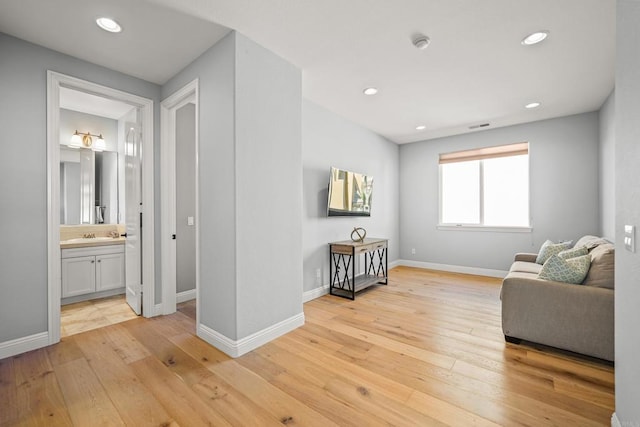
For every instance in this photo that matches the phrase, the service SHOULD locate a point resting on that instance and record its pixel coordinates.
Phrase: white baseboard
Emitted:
(615, 422)
(394, 264)
(324, 289)
(236, 348)
(24, 344)
(315, 293)
(185, 296)
(454, 268)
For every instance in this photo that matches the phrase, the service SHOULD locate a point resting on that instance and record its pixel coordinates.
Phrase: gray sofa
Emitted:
(577, 318)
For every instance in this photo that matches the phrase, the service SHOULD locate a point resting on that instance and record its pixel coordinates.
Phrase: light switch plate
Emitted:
(629, 238)
(189, 220)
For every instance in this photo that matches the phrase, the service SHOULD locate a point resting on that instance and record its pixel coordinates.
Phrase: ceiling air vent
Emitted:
(483, 125)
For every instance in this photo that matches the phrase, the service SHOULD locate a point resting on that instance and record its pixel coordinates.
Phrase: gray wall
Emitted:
(185, 197)
(563, 193)
(627, 148)
(215, 70)
(607, 168)
(23, 216)
(330, 140)
(250, 186)
(70, 121)
(268, 187)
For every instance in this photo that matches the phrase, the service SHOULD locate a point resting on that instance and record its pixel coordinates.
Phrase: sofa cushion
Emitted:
(548, 249)
(573, 252)
(572, 270)
(590, 242)
(602, 271)
(523, 256)
(525, 267)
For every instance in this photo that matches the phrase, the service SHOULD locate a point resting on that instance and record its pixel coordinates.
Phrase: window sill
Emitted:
(493, 229)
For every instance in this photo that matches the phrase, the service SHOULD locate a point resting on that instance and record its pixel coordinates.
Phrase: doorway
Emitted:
(141, 241)
(185, 203)
(180, 208)
(94, 199)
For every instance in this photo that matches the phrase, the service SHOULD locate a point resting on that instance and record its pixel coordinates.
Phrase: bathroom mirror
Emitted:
(88, 186)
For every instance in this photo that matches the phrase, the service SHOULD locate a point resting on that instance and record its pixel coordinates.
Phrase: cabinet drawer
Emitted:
(342, 249)
(357, 249)
(370, 247)
(94, 250)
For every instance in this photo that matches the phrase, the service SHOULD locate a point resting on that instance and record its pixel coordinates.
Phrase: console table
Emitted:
(343, 281)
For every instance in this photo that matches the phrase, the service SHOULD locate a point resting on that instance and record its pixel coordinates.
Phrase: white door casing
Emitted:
(169, 106)
(54, 82)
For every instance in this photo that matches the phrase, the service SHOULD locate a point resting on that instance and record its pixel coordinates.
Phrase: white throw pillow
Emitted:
(573, 252)
(549, 248)
(572, 270)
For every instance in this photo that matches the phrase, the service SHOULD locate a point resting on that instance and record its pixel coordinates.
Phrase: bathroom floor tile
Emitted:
(87, 315)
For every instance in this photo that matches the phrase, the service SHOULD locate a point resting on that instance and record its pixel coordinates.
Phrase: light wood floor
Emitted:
(425, 350)
(93, 314)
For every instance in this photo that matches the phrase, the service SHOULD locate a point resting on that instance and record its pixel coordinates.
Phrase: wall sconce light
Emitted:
(85, 140)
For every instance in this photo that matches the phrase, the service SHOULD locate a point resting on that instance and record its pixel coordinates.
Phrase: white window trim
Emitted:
(481, 227)
(491, 228)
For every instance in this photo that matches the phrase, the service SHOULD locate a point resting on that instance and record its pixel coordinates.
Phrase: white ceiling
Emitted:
(474, 71)
(155, 44)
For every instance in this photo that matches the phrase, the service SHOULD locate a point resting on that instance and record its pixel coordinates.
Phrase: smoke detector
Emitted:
(421, 41)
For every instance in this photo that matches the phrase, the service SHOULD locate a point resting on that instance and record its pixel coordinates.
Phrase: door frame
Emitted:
(54, 277)
(168, 107)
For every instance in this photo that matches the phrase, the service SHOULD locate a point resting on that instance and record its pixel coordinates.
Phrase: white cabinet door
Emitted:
(78, 276)
(109, 271)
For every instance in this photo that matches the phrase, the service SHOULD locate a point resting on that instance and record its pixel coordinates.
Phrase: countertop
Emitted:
(86, 243)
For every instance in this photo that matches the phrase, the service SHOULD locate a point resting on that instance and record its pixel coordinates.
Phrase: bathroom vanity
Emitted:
(92, 271)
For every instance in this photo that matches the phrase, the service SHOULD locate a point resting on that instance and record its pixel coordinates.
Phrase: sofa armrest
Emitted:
(573, 317)
(521, 256)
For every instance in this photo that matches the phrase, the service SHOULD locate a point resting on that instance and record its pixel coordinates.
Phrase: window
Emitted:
(485, 187)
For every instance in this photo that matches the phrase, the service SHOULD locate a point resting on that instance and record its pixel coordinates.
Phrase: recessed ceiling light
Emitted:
(370, 91)
(534, 38)
(532, 105)
(421, 127)
(108, 24)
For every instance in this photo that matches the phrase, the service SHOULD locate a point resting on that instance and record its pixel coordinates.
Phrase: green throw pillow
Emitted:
(548, 249)
(574, 252)
(572, 270)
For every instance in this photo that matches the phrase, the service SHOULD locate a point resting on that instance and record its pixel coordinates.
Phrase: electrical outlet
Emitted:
(413, 251)
(318, 277)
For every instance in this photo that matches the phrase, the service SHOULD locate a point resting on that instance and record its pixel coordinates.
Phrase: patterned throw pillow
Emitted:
(574, 252)
(548, 249)
(572, 270)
